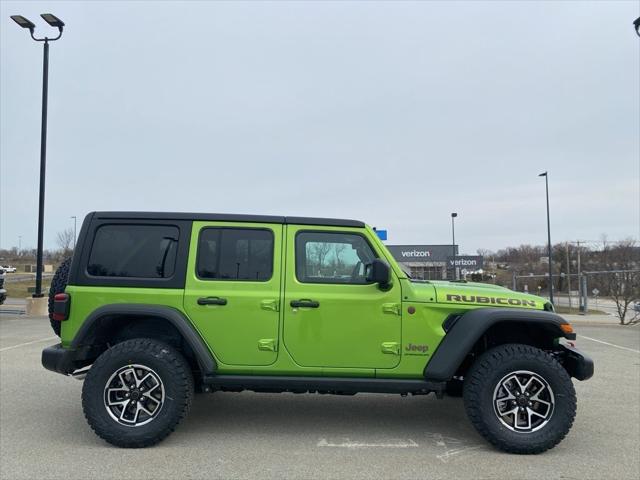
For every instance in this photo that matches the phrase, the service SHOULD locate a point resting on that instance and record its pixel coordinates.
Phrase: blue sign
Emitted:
(382, 234)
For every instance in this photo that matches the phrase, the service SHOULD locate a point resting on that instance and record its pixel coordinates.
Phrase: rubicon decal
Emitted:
(515, 302)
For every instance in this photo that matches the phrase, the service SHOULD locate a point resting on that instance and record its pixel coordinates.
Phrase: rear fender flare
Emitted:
(205, 359)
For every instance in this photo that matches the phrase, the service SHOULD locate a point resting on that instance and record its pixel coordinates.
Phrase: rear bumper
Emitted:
(578, 364)
(59, 359)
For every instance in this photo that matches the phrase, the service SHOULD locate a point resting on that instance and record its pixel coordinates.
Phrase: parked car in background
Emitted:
(8, 269)
(3, 292)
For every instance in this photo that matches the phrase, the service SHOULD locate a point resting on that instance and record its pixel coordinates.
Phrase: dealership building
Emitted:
(435, 262)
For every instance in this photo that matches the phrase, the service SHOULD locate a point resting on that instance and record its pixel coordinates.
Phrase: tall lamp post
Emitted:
(453, 244)
(75, 231)
(546, 182)
(59, 24)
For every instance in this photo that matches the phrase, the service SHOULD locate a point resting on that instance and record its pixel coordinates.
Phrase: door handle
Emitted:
(212, 301)
(305, 302)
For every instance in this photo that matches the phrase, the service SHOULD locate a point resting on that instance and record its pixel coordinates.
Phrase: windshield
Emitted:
(405, 269)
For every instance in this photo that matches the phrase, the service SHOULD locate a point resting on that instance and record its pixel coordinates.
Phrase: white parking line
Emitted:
(349, 444)
(610, 344)
(26, 343)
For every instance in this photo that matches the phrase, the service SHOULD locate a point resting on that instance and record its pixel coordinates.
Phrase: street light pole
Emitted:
(568, 275)
(59, 24)
(546, 182)
(75, 230)
(453, 244)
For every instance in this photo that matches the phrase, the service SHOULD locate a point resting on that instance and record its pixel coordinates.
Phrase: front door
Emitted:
(232, 292)
(333, 317)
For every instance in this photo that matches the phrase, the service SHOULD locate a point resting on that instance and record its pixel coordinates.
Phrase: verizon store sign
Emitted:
(467, 262)
(421, 253)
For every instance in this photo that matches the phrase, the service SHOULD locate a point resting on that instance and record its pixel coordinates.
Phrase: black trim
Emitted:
(269, 383)
(58, 359)
(224, 217)
(325, 222)
(463, 335)
(81, 246)
(103, 314)
(66, 360)
(579, 365)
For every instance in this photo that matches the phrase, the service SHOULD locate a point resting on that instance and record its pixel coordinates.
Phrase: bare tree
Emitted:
(320, 249)
(623, 281)
(64, 239)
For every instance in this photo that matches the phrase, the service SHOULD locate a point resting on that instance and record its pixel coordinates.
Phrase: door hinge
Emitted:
(267, 344)
(393, 308)
(391, 347)
(271, 305)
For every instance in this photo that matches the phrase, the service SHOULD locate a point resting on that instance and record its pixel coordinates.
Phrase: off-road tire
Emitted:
(58, 284)
(482, 379)
(174, 373)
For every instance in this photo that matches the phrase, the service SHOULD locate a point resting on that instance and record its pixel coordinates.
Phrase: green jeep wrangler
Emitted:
(156, 306)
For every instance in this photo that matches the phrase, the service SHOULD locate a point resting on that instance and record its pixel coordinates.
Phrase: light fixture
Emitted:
(23, 22)
(52, 20)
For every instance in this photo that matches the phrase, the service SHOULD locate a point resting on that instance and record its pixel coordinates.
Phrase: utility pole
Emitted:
(546, 182)
(75, 231)
(581, 293)
(453, 244)
(568, 275)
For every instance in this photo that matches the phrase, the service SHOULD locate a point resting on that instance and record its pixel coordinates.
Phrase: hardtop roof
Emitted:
(228, 217)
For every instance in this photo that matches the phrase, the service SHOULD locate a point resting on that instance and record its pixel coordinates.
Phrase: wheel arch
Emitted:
(111, 324)
(480, 329)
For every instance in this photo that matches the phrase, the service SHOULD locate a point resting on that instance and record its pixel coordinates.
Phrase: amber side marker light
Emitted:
(566, 328)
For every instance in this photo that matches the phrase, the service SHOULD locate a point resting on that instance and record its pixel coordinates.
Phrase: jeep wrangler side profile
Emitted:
(155, 306)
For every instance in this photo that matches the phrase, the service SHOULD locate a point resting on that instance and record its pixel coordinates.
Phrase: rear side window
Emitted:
(235, 254)
(134, 251)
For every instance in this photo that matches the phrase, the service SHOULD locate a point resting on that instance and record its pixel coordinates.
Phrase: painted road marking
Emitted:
(610, 344)
(26, 343)
(349, 444)
(446, 456)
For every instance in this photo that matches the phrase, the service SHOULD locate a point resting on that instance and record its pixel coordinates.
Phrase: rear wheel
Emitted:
(520, 398)
(137, 392)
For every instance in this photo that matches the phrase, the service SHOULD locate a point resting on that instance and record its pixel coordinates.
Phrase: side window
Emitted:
(235, 254)
(323, 257)
(134, 251)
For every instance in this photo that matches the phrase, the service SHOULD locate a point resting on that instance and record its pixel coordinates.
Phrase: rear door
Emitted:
(232, 292)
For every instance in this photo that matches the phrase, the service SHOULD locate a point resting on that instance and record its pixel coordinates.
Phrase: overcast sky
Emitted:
(393, 113)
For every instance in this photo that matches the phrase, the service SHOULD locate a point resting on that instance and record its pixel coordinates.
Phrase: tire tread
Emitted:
(496, 357)
(181, 373)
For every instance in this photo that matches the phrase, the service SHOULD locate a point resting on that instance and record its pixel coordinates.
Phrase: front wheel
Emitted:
(520, 398)
(137, 392)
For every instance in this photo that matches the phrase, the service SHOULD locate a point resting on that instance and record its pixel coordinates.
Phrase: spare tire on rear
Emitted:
(58, 284)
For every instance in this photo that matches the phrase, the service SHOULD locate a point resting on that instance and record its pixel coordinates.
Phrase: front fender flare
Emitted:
(470, 326)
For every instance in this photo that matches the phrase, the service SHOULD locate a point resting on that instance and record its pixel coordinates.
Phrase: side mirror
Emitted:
(379, 272)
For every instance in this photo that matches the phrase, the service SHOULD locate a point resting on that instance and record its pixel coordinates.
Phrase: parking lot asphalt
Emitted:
(43, 433)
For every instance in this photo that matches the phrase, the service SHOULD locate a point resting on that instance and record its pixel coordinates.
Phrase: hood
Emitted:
(473, 294)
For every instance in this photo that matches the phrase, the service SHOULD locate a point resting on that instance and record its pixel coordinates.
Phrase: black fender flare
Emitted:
(470, 326)
(205, 359)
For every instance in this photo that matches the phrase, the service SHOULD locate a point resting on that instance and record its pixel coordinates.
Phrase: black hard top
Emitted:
(228, 217)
